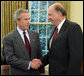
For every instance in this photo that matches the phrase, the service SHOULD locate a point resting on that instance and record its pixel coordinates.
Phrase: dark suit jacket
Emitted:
(17, 55)
(66, 52)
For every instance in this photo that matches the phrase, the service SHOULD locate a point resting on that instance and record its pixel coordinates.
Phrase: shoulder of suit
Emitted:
(10, 34)
(32, 31)
(72, 24)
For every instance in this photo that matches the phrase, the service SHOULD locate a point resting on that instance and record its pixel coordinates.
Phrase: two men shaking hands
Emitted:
(35, 63)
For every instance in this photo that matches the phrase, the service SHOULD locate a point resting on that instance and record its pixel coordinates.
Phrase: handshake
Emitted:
(35, 63)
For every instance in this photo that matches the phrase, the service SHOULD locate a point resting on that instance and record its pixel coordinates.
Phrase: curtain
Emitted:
(7, 16)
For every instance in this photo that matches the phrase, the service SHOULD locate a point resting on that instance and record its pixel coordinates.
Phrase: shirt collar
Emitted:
(60, 25)
(20, 31)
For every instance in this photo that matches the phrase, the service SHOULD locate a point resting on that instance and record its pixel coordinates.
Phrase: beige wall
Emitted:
(76, 12)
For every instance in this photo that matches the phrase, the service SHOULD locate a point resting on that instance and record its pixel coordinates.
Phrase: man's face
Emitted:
(53, 16)
(24, 22)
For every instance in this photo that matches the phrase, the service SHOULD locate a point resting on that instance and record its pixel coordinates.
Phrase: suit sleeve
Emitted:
(11, 58)
(75, 41)
(45, 59)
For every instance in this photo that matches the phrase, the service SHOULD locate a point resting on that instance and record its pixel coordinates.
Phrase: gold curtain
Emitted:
(7, 20)
(66, 5)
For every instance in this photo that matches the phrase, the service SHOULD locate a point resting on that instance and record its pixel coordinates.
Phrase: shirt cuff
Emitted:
(29, 66)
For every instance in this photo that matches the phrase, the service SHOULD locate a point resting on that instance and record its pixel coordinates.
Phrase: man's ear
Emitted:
(59, 13)
(17, 21)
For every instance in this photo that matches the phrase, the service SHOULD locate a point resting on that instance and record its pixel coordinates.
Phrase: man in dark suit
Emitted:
(65, 44)
(21, 46)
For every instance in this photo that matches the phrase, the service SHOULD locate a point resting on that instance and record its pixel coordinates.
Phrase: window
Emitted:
(39, 21)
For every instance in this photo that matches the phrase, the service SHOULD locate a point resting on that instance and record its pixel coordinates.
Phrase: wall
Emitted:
(76, 12)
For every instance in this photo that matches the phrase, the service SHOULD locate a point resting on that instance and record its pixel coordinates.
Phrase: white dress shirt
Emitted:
(22, 35)
(59, 27)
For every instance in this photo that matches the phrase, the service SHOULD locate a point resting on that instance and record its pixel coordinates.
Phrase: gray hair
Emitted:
(62, 10)
(18, 12)
(59, 7)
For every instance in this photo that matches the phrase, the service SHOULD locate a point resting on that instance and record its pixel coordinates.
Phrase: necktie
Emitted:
(55, 33)
(27, 43)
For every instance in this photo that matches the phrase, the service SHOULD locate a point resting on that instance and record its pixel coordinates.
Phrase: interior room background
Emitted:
(39, 17)
(39, 22)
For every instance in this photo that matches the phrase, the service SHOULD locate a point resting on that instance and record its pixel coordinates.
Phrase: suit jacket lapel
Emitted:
(30, 36)
(32, 41)
(51, 37)
(63, 28)
(20, 43)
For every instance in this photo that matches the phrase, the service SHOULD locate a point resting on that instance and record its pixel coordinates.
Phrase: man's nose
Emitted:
(48, 18)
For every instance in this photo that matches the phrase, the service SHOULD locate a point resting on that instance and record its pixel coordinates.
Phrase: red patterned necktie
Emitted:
(55, 33)
(27, 44)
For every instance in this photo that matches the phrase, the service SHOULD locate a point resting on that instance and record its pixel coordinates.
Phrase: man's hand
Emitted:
(35, 63)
